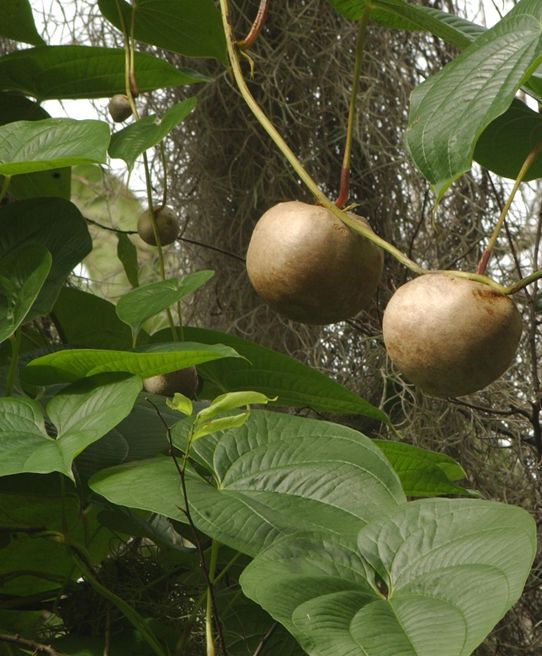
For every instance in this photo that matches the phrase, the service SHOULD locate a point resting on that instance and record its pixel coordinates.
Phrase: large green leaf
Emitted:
(275, 473)
(274, 374)
(18, 23)
(55, 182)
(406, 16)
(190, 27)
(135, 307)
(423, 473)
(95, 323)
(30, 146)
(82, 414)
(22, 274)
(432, 577)
(73, 364)
(84, 72)
(57, 225)
(131, 141)
(504, 145)
(450, 110)
(127, 254)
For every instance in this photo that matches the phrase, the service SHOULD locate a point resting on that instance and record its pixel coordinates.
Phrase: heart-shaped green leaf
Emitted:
(58, 226)
(274, 374)
(275, 473)
(73, 364)
(18, 23)
(85, 72)
(184, 26)
(423, 473)
(135, 307)
(82, 414)
(432, 577)
(30, 146)
(22, 274)
(131, 141)
(450, 110)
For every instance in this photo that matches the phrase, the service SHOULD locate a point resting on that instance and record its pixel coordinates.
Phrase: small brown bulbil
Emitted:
(310, 266)
(167, 225)
(119, 108)
(450, 336)
(183, 381)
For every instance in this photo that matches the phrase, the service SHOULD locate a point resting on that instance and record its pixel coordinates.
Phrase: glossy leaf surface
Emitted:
(274, 374)
(30, 146)
(190, 27)
(128, 144)
(275, 473)
(18, 23)
(450, 110)
(84, 72)
(135, 307)
(73, 364)
(432, 577)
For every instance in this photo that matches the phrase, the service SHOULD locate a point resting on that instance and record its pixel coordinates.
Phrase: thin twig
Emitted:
(264, 640)
(187, 514)
(194, 242)
(36, 647)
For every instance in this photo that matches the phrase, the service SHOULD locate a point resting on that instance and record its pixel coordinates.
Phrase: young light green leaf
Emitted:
(181, 403)
(23, 272)
(127, 254)
(232, 401)
(221, 424)
(30, 146)
(81, 413)
(272, 373)
(58, 226)
(450, 110)
(430, 577)
(18, 22)
(135, 307)
(85, 72)
(184, 26)
(131, 141)
(72, 364)
(275, 473)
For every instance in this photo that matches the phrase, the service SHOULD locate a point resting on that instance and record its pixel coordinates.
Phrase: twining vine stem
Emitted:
(348, 219)
(256, 26)
(181, 470)
(344, 184)
(504, 211)
(131, 90)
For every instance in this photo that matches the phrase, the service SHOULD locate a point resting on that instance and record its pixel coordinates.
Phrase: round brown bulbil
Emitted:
(309, 266)
(450, 336)
(167, 225)
(183, 381)
(119, 108)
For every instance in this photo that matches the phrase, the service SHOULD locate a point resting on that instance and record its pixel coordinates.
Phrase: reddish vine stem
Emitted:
(344, 185)
(256, 26)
